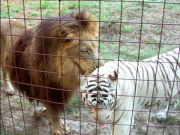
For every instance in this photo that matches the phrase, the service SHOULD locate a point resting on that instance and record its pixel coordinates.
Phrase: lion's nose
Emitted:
(99, 63)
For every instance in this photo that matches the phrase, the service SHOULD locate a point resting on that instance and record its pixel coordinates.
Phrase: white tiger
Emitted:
(115, 89)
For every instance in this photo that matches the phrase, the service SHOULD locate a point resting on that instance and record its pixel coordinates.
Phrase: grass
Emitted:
(173, 6)
(128, 28)
(141, 131)
(157, 30)
(178, 106)
(10, 131)
(72, 108)
(172, 120)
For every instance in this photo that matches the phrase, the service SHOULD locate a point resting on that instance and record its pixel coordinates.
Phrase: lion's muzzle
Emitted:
(98, 63)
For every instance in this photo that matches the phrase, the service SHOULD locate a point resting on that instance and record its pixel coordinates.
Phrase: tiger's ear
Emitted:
(114, 75)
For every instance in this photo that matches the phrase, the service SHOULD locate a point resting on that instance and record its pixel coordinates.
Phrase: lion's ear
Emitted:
(75, 26)
(114, 75)
(86, 21)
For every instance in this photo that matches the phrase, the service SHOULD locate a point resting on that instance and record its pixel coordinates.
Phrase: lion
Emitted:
(47, 60)
(10, 31)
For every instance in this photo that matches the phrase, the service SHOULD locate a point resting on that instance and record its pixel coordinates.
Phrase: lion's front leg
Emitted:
(9, 88)
(58, 125)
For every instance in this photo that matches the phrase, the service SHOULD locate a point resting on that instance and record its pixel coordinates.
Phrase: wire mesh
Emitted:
(128, 31)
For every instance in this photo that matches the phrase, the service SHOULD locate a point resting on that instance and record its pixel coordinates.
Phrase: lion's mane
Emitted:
(39, 65)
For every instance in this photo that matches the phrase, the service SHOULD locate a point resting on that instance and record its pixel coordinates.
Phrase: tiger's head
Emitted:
(98, 92)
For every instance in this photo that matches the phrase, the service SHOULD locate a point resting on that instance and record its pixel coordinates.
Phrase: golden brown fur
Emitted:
(10, 31)
(48, 61)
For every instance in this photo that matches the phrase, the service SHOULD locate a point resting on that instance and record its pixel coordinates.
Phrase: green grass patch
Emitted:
(172, 120)
(178, 106)
(43, 5)
(9, 131)
(145, 27)
(4, 14)
(17, 8)
(72, 109)
(128, 28)
(173, 6)
(157, 30)
(128, 52)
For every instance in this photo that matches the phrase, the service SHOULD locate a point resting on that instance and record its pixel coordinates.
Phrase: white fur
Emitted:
(133, 88)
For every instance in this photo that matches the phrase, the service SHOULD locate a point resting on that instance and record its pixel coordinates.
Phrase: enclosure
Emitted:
(131, 30)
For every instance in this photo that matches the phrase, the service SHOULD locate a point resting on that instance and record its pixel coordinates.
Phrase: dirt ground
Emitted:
(17, 116)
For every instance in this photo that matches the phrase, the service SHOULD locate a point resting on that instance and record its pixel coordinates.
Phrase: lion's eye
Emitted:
(85, 51)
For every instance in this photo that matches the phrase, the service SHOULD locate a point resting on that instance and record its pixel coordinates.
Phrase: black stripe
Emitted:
(164, 71)
(176, 60)
(92, 81)
(146, 103)
(153, 100)
(120, 116)
(91, 90)
(165, 89)
(172, 67)
(120, 66)
(142, 104)
(147, 77)
(154, 75)
(107, 86)
(141, 66)
(135, 68)
(90, 85)
(95, 95)
(127, 66)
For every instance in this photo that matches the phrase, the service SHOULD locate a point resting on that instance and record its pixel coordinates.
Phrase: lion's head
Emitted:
(80, 43)
(74, 41)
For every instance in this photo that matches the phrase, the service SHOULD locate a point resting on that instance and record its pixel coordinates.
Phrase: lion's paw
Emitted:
(63, 132)
(10, 92)
(39, 112)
